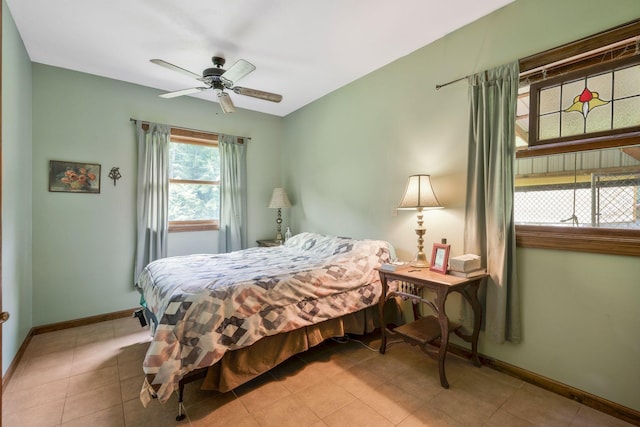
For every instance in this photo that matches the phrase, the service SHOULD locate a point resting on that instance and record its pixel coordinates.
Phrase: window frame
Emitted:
(185, 136)
(592, 240)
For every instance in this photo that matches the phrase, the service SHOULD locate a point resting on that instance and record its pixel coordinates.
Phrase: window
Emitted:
(194, 181)
(601, 101)
(598, 188)
(578, 138)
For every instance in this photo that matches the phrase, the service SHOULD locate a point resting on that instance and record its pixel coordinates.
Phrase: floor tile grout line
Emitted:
(504, 403)
(64, 405)
(68, 396)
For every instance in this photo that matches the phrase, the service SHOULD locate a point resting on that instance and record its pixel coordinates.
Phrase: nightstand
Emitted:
(266, 243)
(410, 281)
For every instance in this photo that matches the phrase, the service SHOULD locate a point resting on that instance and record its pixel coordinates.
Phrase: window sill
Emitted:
(593, 240)
(187, 226)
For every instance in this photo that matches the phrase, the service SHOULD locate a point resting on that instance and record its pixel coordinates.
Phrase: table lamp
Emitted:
(278, 201)
(419, 195)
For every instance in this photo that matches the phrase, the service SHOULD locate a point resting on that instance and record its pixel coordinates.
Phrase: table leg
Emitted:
(444, 337)
(477, 320)
(470, 294)
(383, 326)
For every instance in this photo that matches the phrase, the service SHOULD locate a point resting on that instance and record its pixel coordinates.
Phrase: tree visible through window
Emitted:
(194, 185)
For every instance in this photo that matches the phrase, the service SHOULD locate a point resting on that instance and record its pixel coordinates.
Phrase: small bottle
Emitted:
(287, 234)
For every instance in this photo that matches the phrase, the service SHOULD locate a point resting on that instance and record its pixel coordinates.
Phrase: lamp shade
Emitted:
(419, 194)
(279, 199)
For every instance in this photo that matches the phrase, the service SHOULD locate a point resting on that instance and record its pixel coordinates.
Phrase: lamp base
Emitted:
(420, 261)
(421, 257)
(279, 237)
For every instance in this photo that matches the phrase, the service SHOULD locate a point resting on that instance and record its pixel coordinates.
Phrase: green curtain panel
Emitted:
(233, 194)
(489, 225)
(152, 194)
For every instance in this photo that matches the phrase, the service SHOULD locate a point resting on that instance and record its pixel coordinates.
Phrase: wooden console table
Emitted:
(424, 330)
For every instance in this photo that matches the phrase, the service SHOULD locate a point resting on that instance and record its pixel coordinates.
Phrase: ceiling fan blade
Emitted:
(176, 68)
(182, 92)
(237, 71)
(267, 96)
(225, 102)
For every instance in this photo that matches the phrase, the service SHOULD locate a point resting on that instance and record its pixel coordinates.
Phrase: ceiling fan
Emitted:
(219, 79)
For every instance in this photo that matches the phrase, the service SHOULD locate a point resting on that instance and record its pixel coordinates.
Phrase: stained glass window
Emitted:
(580, 106)
(578, 151)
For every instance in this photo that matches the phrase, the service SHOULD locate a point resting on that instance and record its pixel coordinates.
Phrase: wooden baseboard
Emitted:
(36, 330)
(82, 322)
(603, 405)
(14, 363)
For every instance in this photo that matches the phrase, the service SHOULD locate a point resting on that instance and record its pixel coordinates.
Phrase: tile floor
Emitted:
(91, 376)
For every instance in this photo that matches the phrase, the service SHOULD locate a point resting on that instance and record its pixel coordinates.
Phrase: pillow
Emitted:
(330, 245)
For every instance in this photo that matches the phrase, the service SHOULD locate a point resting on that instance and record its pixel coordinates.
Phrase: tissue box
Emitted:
(464, 263)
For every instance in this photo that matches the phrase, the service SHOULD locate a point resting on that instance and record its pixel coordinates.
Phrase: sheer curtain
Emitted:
(152, 194)
(233, 194)
(489, 226)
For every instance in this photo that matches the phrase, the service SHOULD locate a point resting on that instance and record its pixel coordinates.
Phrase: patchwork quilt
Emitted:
(207, 305)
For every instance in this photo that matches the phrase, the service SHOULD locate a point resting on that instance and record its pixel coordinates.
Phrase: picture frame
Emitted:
(74, 177)
(440, 258)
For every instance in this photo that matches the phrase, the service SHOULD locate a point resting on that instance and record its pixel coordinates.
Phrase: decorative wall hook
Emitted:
(115, 174)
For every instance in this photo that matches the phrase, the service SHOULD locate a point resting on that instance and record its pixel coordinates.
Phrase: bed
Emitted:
(212, 313)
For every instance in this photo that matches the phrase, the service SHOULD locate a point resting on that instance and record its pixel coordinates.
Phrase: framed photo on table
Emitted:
(440, 258)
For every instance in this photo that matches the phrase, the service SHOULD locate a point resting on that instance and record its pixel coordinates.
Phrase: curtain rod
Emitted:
(131, 119)
(627, 42)
(451, 82)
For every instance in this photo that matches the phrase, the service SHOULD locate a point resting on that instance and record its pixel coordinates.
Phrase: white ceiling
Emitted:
(303, 49)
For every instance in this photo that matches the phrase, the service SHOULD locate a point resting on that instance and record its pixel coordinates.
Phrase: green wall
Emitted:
(83, 243)
(346, 158)
(16, 189)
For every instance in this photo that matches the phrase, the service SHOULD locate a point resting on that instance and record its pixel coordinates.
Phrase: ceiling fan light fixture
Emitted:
(225, 103)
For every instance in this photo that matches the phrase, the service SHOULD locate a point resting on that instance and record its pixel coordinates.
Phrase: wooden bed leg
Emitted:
(181, 415)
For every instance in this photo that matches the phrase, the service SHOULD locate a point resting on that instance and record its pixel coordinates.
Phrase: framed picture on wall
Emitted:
(440, 258)
(74, 177)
